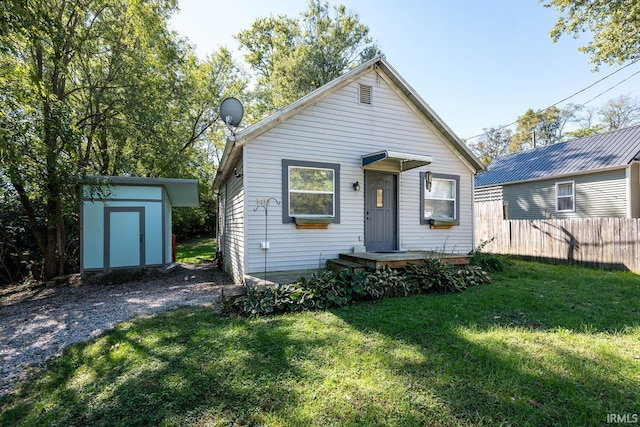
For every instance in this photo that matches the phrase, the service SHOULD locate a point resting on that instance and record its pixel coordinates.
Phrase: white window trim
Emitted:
(572, 196)
(446, 199)
(332, 192)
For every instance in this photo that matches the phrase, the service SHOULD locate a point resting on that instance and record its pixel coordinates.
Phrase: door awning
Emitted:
(394, 161)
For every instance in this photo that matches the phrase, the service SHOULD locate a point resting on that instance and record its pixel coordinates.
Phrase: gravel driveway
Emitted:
(38, 322)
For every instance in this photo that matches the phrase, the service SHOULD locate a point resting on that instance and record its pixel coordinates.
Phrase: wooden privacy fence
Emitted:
(610, 243)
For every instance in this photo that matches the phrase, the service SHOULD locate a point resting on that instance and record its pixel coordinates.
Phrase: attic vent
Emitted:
(365, 95)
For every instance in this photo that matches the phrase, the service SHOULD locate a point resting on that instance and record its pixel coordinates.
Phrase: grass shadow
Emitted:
(440, 359)
(167, 369)
(549, 349)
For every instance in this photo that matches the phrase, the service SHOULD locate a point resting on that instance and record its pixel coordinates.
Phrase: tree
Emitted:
(542, 127)
(493, 143)
(37, 53)
(585, 118)
(292, 57)
(614, 26)
(621, 112)
(97, 87)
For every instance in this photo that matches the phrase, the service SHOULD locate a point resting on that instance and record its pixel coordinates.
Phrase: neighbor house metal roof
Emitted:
(604, 151)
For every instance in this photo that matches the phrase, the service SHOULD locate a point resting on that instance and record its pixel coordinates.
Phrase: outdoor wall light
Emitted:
(356, 186)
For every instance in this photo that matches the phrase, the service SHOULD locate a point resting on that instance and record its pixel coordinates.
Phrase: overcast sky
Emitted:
(478, 64)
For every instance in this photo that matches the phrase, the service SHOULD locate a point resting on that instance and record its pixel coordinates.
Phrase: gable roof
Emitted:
(592, 153)
(232, 151)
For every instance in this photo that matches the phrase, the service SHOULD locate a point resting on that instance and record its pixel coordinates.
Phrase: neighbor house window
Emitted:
(310, 190)
(565, 196)
(440, 202)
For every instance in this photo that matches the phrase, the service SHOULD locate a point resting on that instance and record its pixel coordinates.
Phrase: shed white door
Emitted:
(381, 208)
(124, 237)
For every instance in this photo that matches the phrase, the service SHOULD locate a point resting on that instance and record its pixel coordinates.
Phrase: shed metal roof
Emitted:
(181, 192)
(597, 152)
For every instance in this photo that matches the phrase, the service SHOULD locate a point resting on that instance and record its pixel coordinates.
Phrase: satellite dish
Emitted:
(231, 112)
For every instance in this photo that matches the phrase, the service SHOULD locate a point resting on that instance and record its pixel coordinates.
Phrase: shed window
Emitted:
(565, 196)
(441, 202)
(310, 190)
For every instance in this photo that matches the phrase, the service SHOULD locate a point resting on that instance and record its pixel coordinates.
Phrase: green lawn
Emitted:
(196, 251)
(543, 345)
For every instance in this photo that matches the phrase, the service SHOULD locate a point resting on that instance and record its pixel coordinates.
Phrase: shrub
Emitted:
(329, 289)
(434, 276)
(437, 277)
(473, 275)
(385, 283)
(488, 262)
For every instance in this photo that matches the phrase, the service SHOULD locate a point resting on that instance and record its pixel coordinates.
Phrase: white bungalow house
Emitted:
(360, 164)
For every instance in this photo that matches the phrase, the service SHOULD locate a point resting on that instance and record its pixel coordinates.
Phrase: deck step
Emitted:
(343, 264)
(398, 260)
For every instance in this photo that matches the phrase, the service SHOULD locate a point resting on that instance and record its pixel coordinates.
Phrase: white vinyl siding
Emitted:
(597, 195)
(487, 194)
(234, 225)
(338, 130)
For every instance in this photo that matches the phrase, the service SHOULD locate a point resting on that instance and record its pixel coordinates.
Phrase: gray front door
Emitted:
(381, 210)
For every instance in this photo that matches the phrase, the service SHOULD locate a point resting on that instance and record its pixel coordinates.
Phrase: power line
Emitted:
(574, 94)
(612, 87)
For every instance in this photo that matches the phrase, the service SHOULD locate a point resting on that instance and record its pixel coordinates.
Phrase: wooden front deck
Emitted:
(376, 260)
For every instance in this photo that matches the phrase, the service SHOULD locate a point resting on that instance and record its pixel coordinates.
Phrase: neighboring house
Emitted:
(360, 164)
(592, 177)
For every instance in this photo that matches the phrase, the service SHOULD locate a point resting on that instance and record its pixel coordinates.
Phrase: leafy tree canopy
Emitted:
(493, 143)
(293, 56)
(542, 127)
(613, 24)
(545, 127)
(99, 87)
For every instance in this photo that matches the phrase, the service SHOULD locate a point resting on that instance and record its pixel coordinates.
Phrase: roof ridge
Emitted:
(607, 150)
(594, 136)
